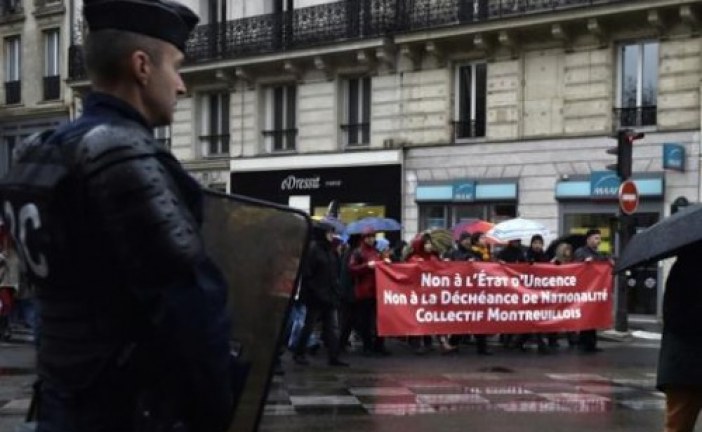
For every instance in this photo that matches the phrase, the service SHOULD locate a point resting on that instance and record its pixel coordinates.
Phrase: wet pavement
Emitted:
(509, 391)
(613, 390)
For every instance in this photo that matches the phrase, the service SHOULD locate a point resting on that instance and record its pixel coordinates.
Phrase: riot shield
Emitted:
(259, 248)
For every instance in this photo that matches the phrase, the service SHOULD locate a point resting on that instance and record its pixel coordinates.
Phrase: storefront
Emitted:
(364, 183)
(591, 202)
(445, 204)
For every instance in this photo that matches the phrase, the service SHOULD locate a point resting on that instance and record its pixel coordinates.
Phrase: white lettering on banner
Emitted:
(430, 280)
(292, 183)
(497, 314)
(390, 297)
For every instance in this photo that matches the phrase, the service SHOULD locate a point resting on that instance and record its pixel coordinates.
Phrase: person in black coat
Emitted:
(320, 291)
(679, 365)
(535, 254)
(588, 253)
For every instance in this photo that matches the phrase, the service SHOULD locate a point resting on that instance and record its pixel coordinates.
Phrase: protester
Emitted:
(535, 254)
(466, 250)
(512, 253)
(320, 291)
(423, 250)
(479, 246)
(679, 371)
(361, 265)
(563, 255)
(133, 328)
(589, 253)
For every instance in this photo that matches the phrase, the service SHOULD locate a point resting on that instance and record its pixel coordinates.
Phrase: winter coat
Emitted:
(681, 346)
(512, 254)
(320, 279)
(463, 254)
(346, 280)
(533, 256)
(364, 276)
(585, 252)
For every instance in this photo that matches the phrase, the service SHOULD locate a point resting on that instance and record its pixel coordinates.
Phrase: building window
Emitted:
(52, 72)
(162, 134)
(214, 124)
(449, 215)
(280, 129)
(8, 145)
(469, 100)
(356, 111)
(638, 84)
(13, 70)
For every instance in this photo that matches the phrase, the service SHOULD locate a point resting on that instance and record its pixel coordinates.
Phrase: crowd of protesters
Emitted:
(338, 291)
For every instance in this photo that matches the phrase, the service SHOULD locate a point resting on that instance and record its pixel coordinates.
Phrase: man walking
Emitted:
(320, 291)
(589, 253)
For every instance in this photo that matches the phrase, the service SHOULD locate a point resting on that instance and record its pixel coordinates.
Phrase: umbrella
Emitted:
(471, 226)
(373, 223)
(442, 239)
(339, 226)
(663, 239)
(575, 240)
(517, 229)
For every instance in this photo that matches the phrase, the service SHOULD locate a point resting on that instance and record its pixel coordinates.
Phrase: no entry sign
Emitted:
(628, 197)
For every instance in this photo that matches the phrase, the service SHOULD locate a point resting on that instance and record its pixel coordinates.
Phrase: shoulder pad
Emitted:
(110, 143)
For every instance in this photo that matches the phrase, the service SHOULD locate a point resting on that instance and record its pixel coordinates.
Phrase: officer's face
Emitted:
(164, 87)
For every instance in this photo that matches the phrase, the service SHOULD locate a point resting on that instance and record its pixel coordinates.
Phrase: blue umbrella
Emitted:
(373, 223)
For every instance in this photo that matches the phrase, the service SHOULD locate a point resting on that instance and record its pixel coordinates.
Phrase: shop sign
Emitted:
(464, 191)
(674, 157)
(293, 183)
(604, 184)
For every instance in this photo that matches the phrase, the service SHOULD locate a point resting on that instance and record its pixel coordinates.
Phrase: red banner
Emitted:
(486, 298)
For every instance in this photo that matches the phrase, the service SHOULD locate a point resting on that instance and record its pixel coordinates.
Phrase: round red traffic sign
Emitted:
(628, 197)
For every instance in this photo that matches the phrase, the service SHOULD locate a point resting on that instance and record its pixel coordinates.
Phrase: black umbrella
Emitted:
(663, 239)
(575, 240)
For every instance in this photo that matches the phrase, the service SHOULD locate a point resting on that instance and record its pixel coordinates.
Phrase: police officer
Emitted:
(133, 331)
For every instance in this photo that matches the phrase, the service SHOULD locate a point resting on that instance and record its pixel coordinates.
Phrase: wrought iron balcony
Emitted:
(636, 116)
(52, 87)
(280, 139)
(10, 8)
(338, 21)
(356, 134)
(468, 129)
(13, 92)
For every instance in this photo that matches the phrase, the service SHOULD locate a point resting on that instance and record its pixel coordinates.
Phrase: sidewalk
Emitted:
(641, 328)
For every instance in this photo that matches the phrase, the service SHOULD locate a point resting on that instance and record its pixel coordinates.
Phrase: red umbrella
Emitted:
(471, 226)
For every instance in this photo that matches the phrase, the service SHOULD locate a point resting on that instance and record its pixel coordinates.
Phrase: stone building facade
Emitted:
(35, 40)
(433, 112)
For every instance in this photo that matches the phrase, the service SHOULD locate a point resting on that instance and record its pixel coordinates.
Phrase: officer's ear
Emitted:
(140, 66)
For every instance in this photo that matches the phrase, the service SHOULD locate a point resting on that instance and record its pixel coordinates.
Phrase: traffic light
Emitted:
(623, 151)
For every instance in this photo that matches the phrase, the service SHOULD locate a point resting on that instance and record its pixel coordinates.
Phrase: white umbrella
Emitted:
(518, 229)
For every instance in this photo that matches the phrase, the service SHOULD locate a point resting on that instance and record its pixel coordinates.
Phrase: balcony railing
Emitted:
(280, 139)
(52, 87)
(356, 134)
(215, 145)
(636, 116)
(334, 22)
(13, 92)
(11, 7)
(468, 129)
